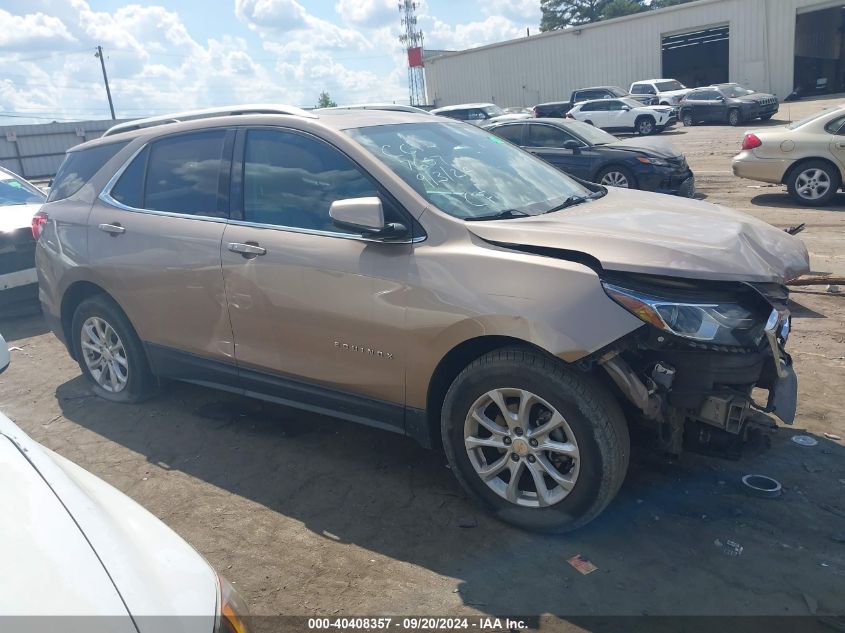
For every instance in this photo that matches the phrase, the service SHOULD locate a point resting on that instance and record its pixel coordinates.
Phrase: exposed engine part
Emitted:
(725, 412)
(670, 430)
(663, 375)
(633, 388)
(708, 440)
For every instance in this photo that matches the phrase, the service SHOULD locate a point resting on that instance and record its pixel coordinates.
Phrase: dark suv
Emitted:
(727, 103)
(558, 109)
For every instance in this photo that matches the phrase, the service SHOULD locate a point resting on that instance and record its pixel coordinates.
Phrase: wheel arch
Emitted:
(617, 164)
(454, 362)
(73, 296)
(811, 159)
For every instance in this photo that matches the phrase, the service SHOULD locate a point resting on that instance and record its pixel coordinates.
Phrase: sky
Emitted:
(173, 55)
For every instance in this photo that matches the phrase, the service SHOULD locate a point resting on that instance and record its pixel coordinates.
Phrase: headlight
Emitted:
(232, 610)
(653, 161)
(721, 323)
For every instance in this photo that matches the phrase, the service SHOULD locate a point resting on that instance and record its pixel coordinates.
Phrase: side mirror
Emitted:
(572, 144)
(5, 358)
(626, 108)
(359, 214)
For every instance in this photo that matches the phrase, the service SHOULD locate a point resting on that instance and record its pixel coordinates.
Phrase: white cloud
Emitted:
(494, 28)
(32, 31)
(521, 11)
(368, 13)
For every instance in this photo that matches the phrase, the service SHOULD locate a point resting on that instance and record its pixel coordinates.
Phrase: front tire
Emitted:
(813, 183)
(734, 117)
(109, 352)
(645, 126)
(537, 444)
(614, 176)
(687, 120)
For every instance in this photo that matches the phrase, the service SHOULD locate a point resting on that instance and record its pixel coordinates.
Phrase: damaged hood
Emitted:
(649, 233)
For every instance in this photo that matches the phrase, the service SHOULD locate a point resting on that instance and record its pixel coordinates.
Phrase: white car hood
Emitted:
(46, 565)
(17, 216)
(123, 558)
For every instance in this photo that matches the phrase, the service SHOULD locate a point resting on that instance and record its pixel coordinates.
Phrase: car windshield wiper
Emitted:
(571, 201)
(507, 214)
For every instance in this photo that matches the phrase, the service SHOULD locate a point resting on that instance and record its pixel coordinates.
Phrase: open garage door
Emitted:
(697, 58)
(819, 64)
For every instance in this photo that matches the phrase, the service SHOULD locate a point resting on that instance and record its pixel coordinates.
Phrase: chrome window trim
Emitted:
(106, 197)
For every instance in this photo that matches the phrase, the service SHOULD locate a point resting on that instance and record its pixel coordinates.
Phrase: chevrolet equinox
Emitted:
(422, 276)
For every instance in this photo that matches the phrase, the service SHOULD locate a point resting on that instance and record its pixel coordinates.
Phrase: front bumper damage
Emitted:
(696, 393)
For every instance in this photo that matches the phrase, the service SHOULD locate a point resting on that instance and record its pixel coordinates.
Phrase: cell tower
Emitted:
(412, 40)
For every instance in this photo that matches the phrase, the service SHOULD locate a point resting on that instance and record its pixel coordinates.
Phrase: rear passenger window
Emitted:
(512, 133)
(79, 167)
(183, 174)
(291, 180)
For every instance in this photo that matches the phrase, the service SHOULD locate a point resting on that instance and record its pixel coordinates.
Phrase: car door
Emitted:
(155, 236)
(316, 310)
(598, 113)
(546, 141)
(617, 116)
(836, 129)
(713, 107)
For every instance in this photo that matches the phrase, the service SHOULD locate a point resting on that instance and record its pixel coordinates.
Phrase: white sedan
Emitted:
(623, 115)
(71, 545)
(19, 202)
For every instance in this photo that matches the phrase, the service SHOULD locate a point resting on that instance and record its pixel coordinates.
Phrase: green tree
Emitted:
(559, 14)
(325, 101)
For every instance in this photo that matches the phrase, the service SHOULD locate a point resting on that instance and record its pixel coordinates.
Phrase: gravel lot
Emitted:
(312, 516)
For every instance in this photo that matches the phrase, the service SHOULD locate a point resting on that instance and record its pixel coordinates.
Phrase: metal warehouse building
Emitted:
(769, 45)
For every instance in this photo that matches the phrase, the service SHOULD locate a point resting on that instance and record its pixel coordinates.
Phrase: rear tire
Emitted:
(109, 352)
(813, 183)
(588, 448)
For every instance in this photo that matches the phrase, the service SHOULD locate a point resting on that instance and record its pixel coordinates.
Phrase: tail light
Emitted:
(751, 141)
(38, 221)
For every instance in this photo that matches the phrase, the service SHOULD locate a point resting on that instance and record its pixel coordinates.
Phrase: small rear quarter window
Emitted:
(79, 167)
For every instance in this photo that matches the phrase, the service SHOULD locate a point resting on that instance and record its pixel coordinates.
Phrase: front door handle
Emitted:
(840, 145)
(113, 229)
(248, 250)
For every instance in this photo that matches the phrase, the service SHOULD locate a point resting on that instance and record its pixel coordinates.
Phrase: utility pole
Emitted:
(99, 54)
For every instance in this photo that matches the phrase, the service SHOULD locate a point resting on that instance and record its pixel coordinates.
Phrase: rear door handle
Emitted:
(113, 229)
(248, 250)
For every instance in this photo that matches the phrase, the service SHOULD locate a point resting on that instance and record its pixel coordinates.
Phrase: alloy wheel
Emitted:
(646, 127)
(521, 447)
(733, 117)
(812, 184)
(104, 355)
(615, 179)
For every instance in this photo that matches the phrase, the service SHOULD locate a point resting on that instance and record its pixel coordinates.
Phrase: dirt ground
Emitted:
(312, 516)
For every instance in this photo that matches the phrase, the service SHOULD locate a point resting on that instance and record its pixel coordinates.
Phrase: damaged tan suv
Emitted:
(421, 276)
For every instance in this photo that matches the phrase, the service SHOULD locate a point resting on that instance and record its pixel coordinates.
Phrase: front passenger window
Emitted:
(291, 180)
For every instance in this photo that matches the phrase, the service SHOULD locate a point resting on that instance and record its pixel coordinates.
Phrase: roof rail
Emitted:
(207, 113)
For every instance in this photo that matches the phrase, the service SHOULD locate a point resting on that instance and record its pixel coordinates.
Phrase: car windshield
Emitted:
(14, 191)
(736, 91)
(618, 91)
(467, 172)
(590, 133)
(632, 103)
(812, 117)
(667, 86)
(493, 110)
